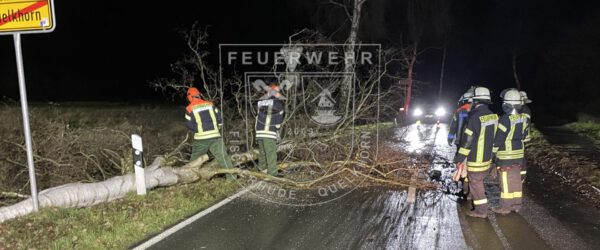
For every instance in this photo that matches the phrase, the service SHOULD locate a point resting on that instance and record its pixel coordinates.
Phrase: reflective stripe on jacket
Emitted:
(204, 119)
(269, 119)
(478, 141)
(525, 111)
(508, 143)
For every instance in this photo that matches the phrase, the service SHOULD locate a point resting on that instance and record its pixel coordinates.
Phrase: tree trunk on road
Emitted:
(89, 194)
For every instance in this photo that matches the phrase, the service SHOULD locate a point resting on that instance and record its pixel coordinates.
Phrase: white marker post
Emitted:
(138, 163)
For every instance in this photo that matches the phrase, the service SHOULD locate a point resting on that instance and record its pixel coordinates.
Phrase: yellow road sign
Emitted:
(26, 16)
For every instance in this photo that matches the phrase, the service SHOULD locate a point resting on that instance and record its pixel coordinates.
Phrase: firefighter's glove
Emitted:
(460, 171)
(494, 172)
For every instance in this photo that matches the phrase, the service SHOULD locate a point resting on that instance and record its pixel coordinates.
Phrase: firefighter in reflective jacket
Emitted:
(204, 120)
(457, 127)
(509, 150)
(476, 148)
(269, 120)
(525, 111)
(459, 119)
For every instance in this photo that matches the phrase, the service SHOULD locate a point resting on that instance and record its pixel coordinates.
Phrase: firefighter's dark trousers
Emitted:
(476, 189)
(267, 157)
(217, 148)
(511, 187)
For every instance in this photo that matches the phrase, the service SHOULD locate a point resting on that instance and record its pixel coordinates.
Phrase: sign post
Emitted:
(25, 111)
(26, 16)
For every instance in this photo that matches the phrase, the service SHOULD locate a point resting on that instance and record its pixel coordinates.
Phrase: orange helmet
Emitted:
(193, 93)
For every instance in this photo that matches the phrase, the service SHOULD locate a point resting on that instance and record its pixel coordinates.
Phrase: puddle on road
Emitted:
(429, 141)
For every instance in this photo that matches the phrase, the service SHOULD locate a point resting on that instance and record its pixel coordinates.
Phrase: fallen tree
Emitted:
(158, 174)
(89, 194)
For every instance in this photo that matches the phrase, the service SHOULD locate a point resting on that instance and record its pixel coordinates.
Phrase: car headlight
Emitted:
(418, 112)
(440, 111)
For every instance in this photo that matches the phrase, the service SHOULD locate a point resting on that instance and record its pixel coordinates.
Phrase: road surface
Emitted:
(378, 218)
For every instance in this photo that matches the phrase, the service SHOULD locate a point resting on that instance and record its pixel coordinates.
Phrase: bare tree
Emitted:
(192, 69)
(515, 47)
(442, 23)
(350, 50)
(409, 57)
(442, 72)
(514, 68)
(419, 14)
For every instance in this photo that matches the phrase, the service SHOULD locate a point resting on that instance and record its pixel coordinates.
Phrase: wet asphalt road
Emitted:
(365, 219)
(379, 218)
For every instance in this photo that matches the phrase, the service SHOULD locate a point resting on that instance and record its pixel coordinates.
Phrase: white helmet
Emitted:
(525, 98)
(467, 96)
(482, 94)
(512, 96)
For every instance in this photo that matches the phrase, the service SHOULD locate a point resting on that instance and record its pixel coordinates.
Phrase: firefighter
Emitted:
(476, 148)
(204, 119)
(268, 122)
(525, 111)
(459, 119)
(509, 151)
(457, 125)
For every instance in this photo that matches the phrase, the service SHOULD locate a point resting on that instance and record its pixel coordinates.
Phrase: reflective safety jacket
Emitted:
(269, 119)
(525, 111)
(457, 125)
(477, 144)
(508, 144)
(204, 119)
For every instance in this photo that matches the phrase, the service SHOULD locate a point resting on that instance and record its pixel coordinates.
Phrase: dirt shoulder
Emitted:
(579, 172)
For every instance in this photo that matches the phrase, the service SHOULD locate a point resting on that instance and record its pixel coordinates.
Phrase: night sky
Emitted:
(108, 52)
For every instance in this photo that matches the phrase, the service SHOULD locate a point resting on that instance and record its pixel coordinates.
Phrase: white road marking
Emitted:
(190, 220)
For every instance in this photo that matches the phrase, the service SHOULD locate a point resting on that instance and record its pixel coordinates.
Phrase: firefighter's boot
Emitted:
(477, 214)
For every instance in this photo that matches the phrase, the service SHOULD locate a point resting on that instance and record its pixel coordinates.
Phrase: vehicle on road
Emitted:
(428, 113)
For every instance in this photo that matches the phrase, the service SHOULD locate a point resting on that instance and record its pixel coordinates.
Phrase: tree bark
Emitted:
(412, 59)
(89, 194)
(514, 68)
(442, 74)
(76, 195)
(350, 49)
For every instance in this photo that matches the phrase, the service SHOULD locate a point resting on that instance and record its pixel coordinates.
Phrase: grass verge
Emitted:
(576, 171)
(588, 128)
(112, 225)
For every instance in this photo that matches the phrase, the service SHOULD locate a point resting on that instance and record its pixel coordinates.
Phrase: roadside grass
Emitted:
(83, 142)
(580, 172)
(112, 225)
(588, 128)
